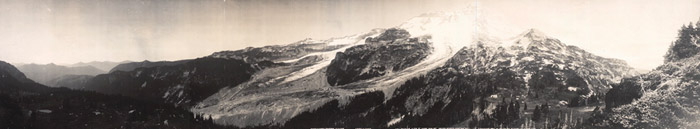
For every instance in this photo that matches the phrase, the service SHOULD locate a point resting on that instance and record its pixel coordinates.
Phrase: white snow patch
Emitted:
(563, 103)
(513, 62)
(395, 120)
(547, 61)
(590, 87)
(186, 74)
(179, 86)
(572, 88)
(166, 94)
(144, 84)
(45, 111)
(527, 80)
(527, 77)
(561, 66)
(297, 59)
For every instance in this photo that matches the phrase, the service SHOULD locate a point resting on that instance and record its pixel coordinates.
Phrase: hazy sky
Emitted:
(69, 31)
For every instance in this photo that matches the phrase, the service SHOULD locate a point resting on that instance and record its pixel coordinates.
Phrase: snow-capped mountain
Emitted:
(432, 65)
(286, 91)
(384, 59)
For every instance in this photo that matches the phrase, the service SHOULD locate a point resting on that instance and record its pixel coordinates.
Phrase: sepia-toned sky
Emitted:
(70, 31)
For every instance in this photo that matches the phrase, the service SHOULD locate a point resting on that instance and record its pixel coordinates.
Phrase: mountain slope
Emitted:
(14, 72)
(71, 81)
(182, 84)
(130, 66)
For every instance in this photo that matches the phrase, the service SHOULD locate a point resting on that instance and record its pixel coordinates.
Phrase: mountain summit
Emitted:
(535, 34)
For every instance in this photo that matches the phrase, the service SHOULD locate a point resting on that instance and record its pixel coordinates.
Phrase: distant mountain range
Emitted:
(46, 74)
(76, 75)
(102, 65)
(130, 66)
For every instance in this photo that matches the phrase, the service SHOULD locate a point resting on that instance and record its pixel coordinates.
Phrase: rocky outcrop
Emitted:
(392, 51)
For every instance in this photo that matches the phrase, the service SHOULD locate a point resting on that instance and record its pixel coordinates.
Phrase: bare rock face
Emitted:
(392, 51)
